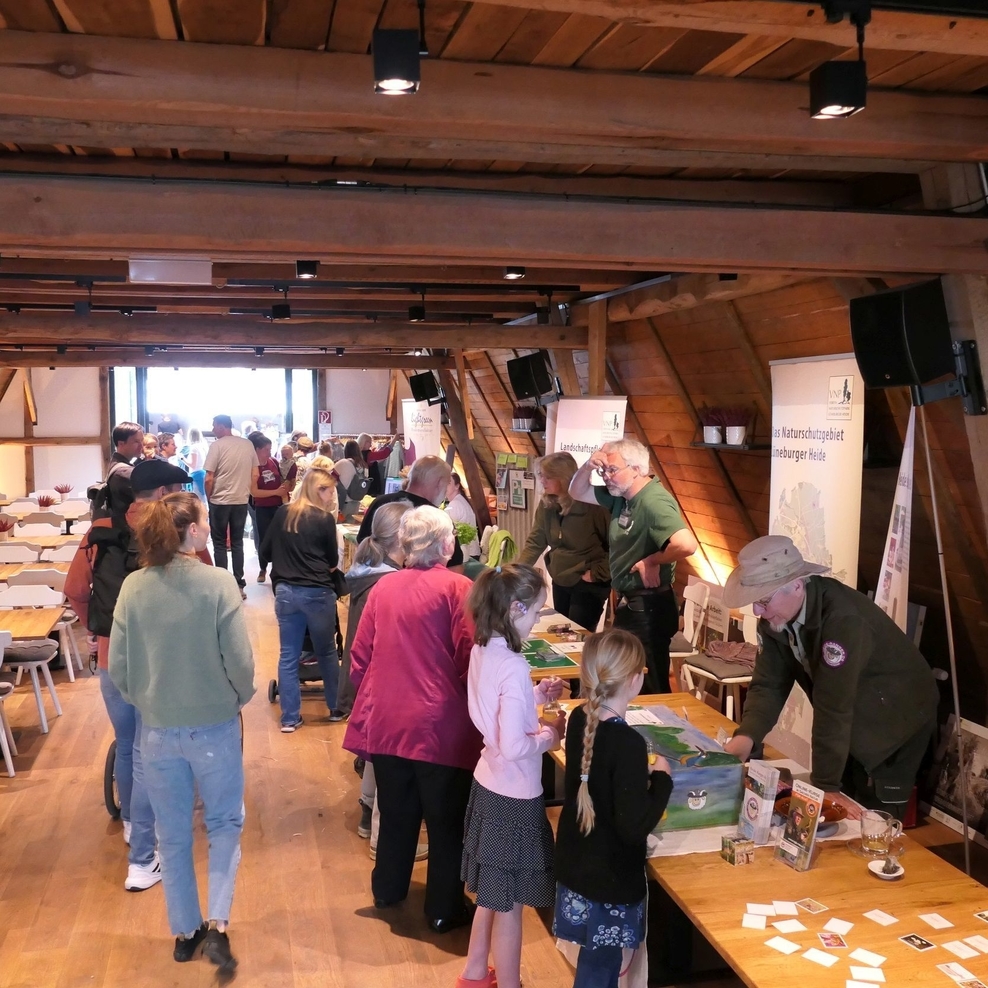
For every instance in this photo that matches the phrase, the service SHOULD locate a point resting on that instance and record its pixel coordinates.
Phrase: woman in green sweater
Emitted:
(189, 680)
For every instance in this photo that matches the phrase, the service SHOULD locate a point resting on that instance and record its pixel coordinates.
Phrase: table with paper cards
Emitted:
(775, 926)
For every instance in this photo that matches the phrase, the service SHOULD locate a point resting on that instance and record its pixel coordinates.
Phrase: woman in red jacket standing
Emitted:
(409, 665)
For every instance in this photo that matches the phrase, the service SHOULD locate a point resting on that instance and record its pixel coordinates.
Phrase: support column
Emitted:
(458, 427)
(597, 347)
(30, 421)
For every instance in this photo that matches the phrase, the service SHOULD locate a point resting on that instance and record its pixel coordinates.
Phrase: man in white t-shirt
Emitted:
(230, 464)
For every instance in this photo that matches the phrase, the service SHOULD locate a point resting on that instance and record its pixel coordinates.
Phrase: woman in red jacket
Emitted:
(409, 665)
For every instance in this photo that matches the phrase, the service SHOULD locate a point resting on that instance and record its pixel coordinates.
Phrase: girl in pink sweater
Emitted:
(507, 844)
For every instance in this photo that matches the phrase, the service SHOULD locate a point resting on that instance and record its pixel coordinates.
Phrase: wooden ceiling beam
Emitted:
(111, 357)
(114, 217)
(776, 191)
(118, 92)
(147, 329)
(888, 30)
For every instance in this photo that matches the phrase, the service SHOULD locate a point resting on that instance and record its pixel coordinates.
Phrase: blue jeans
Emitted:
(296, 608)
(598, 968)
(176, 760)
(135, 807)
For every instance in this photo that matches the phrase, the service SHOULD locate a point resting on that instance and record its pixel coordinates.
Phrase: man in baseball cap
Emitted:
(873, 694)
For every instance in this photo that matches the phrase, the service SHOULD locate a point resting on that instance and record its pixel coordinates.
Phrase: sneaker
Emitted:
(358, 766)
(186, 947)
(216, 948)
(291, 728)
(335, 716)
(141, 877)
(262, 576)
(243, 593)
(364, 827)
(126, 832)
(421, 852)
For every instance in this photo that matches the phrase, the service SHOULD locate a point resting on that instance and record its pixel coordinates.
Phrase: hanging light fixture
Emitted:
(306, 270)
(513, 273)
(416, 313)
(281, 310)
(840, 89)
(396, 53)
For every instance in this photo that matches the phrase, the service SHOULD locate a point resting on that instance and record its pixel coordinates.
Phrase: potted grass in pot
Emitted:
(63, 489)
(6, 526)
(45, 502)
(736, 422)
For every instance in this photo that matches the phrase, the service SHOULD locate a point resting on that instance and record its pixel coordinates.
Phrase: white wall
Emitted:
(358, 400)
(68, 405)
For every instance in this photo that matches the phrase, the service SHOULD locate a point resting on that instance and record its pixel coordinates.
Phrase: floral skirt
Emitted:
(507, 851)
(597, 924)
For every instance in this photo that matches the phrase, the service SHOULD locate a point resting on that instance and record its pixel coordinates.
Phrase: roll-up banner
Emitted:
(583, 425)
(817, 447)
(422, 424)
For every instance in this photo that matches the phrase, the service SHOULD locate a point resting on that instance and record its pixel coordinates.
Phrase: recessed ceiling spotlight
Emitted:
(306, 269)
(513, 274)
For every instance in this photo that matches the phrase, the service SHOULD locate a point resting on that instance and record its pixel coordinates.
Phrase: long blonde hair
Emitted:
(308, 497)
(557, 466)
(609, 660)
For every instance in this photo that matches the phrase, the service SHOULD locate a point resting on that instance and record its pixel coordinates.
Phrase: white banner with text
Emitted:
(422, 426)
(583, 425)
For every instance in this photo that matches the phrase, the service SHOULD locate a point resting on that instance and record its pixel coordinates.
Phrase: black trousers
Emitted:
(407, 792)
(230, 518)
(582, 603)
(262, 521)
(653, 619)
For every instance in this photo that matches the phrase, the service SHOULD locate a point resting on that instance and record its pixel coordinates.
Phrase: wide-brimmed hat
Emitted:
(305, 444)
(763, 567)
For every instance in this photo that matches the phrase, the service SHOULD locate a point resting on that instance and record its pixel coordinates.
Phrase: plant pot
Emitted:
(736, 434)
(4, 536)
(524, 425)
(712, 434)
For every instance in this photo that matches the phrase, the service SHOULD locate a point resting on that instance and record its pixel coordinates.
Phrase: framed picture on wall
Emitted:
(517, 493)
(502, 500)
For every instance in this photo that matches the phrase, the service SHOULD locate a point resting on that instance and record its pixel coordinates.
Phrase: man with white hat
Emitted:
(873, 694)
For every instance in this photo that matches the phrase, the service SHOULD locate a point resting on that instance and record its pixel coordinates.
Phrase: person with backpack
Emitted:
(105, 557)
(116, 493)
(351, 472)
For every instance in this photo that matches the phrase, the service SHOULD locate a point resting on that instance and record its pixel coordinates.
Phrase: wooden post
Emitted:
(566, 372)
(30, 421)
(597, 347)
(957, 187)
(7, 376)
(391, 407)
(458, 426)
(461, 377)
(105, 426)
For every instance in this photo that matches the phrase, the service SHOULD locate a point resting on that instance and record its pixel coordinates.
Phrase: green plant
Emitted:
(464, 532)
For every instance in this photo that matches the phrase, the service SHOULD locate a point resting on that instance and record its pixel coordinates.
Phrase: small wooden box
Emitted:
(737, 850)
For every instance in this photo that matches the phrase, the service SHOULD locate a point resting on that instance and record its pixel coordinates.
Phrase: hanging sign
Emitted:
(422, 424)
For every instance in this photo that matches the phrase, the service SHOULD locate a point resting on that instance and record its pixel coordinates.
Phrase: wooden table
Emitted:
(714, 895)
(7, 570)
(30, 622)
(553, 618)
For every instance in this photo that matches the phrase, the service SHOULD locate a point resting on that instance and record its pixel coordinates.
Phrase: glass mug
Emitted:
(878, 830)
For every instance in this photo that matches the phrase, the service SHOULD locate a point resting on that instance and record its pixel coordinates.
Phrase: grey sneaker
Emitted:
(291, 728)
(364, 827)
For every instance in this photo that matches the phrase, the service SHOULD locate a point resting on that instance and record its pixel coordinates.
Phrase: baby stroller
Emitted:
(308, 664)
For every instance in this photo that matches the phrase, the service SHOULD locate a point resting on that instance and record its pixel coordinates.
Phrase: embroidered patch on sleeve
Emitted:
(834, 654)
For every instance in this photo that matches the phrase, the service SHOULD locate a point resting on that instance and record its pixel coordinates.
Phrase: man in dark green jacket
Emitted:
(873, 694)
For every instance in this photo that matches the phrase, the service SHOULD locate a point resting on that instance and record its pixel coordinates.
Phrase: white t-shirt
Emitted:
(460, 511)
(231, 460)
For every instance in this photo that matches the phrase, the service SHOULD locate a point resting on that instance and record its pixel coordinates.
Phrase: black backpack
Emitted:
(116, 558)
(358, 487)
(99, 494)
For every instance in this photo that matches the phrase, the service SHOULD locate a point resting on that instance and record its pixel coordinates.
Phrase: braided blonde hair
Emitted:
(609, 660)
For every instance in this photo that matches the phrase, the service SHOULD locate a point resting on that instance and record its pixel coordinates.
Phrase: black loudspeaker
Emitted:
(901, 336)
(530, 375)
(425, 388)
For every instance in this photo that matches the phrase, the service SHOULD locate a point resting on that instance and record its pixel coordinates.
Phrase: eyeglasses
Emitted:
(610, 471)
(766, 601)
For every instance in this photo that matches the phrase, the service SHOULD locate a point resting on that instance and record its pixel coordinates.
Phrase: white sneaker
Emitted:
(421, 852)
(141, 877)
(126, 827)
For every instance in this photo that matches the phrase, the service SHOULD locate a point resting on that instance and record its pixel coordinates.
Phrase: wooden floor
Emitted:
(302, 914)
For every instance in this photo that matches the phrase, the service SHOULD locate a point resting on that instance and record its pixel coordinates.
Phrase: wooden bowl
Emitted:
(833, 812)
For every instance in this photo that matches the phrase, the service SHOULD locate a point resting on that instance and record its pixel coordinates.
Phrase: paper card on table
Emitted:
(935, 920)
(857, 984)
(917, 942)
(820, 957)
(840, 926)
(782, 945)
(978, 942)
(752, 922)
(760, 909)
(832, 941)
(971, 984)
(867, 957)
(789, 926)
(783, 908)
(982, 916)
(960, 949)
(873, 974)
(812, 906)
(956, 971)
(881, 918)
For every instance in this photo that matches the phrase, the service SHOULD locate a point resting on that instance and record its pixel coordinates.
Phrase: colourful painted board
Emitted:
(541, 655)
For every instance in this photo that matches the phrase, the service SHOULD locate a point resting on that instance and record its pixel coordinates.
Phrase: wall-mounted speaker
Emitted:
(425, 388)
(530, 376)
(901, 336)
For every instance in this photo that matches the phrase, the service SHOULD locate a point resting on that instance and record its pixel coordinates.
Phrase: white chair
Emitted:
(38, 577)
(24, 504)
(703, 671)
(6, 734)
(683, 645)
(32, 529)
(28, 595)
(19, 552)
(46, 519)
(33, 656)
(79, 528)
(63, 554)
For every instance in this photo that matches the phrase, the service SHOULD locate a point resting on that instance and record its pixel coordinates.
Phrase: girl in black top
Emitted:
(614, 799)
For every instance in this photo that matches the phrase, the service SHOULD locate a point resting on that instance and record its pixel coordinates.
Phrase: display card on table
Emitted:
(796, 846)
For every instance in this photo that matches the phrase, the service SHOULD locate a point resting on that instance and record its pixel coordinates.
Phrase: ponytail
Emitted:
(383, 541)
(162, 526)
(608, 661)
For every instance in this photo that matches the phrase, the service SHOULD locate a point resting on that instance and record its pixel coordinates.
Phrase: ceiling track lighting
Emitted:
(840, 89)
(396, 54)
(281, 310)
(340, 351)
(416, 313)
(513, 273)
(306, 270)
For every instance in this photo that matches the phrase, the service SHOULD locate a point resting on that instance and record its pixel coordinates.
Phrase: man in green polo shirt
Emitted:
(647, 536)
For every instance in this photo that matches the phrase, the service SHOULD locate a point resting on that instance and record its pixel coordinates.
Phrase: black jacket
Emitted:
(608, 864)
(305, 557)
(870, 687)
